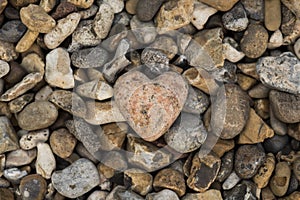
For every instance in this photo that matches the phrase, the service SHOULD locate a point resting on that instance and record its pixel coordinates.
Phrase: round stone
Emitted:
(37, 115)
(248, 160)
(235, 19)
(279, 183)
(33, 187)
(30, 140)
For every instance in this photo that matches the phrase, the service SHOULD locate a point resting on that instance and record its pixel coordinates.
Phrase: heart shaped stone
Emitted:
(150, 106)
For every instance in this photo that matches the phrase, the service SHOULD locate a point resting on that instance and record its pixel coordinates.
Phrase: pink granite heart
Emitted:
(150, 106)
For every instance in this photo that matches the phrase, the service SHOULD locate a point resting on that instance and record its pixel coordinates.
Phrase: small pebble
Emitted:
(12, 31)
(245, 190)
(4, 68)
(226, 166)
(265, 171)
(82, 3)
(103, 20)
(95, 89)
(259, 91)
(272, 14)
(131, 6)
(294, 130)
(146, 10)
(45, 161)
(278, 126)
(27, 41)
(138, 180)
(8, 137)
(76, 179)
(32, 138)
(62, 142)
(220, 5)
(201, 14)
(33, 63)
(63, 9)
(20, 157)
(120, 192)
(276, 40)
(197, 102)
(248, 69)
(165, 194)
(254, 9)
(144, 32)
(33, 187)
(98, 195)
(14, 174)
(209, 194)
(279, 182)
(231, 181)
(7, 51)
(276, 143)
(235, 19)
(116, 5)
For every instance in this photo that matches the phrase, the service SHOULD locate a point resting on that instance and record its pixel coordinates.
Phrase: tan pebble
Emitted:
(248, 69)
(45, 163)
(80, 75)
(30, 140)
(232, 54)
(3, 4)
(27, 83)
(245, 82)
(26, 41)
(103, 20)
(87, 13)
(62, 142)
(265, 171)
(255, 131)
(21, 3)
(47, 5)
(82, 3)
(209, 194)
(223, 146)
(33, 63)
(262, 107)
(267, 194)
(7, 51)
(20, 157)
(131, 6)
(259, 91)
(62, 30)
(292, 5)
(96, 90)
(294, 196)
(116, 5)
(139, 180)
(279, 183)
(220, 4)
(272, 14)
(4, 68)
(36, 19)
(19, 103)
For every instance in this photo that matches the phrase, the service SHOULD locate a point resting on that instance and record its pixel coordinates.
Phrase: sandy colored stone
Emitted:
(62, 142)
(33, 187)
(82, 3)
(223, 146)
(265, 171)
(36, 19)
(3, 4)
(20, 157)
(8, 137)
(174, 15)
(63, 9)
(201, 13)
(293, 5)
(255, 131)
(95, 89)
(45, 162)
(58, 69)
(279, 182)
(138, 180)
(272, 14)
(276, 40)
(7, 51)
(245, 82)
(248, 69)
(131, 6)
(166, 93)
(259, 91)
(37, 115)
(235, 19)
(209, 194)
(32, 138)
(48, 5)
(33, 63)
(27, 83)
(220, 4)
(26, 41)
(103, 20)
(231, 53)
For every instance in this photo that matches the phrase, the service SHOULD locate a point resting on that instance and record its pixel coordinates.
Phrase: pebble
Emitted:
(7, 51)
(259, 91)
(27, 83)
(209, 194)
(278, 126)
(14, 175)
(255, 40)
(8, 137)
(33, 63)
(3, 4)
(201, 13)
(45, 161)
(63, 9)
(131, 8)
(174, 15)
(197, 102)
(172, 179)
(279, 182)
(285, 106)
(296, 170)
(116, 5)
(76, 179)
(103, 112)
(68, 101)
(120, 193)
(150, 159)
(266, 193)
(138, 113)
(262, 108)
(248, 160)
(4, 68)
(276, 143)
(203, 172)
(138, 181)
(37, 115)
(245, 190)
(146, 10)
(222, 146)
(186, 134)
(229, 122)
(144, 32)
(98, 195)
(83, 152)
(36, 19)
(276, 40)
(294, 196)
(220, 5)
(58, 69)
(231, 181)
(20, 157)
(281, 72)
(226, 74)
(82, 3)
(156, 61)
(33, 187)
(231, 53)
(272, 14)
(248, 69)
(112, 135)
(294, 130)
(245, 82)
(95, 89)
(22, 3)
(62, 142)
(26, 41)
(12, 31)
(103, 20)
(62, 30)
(85, 134)
(165, 44)
(255, 131)
(226, 166)
(235, 19)
(6, 194)
(89, 57)
(165, 194)
(293, 6)
(254, 9)
(265, 171)
(297, 48)
(113, 162)
(32, 138)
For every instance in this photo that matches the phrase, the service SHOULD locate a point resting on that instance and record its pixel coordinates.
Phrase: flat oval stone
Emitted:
(103, 20)
(33, 187)
(62, 142)
(20, 157)
(36, 19)
(230, 121)
(248, 160)
(95, 89)
(160, 101)
(12, 31)
(273, 14)
(186, 134)
(286, 107)
(76, 179)
(45, 161)
(37, 115)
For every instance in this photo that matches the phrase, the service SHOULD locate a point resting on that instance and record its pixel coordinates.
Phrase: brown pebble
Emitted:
(6, 194)
(33, 187)
(272, 14)
(62, 142)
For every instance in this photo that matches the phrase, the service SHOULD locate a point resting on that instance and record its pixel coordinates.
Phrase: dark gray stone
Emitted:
(12, 31)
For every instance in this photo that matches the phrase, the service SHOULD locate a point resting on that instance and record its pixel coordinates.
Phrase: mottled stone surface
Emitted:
(201, 13)
(144, 32)
(45, 162)
(146, 10)
(138, 180)
(197, 102)
(160, 101)
(265, 171)
(82, 3)
(279, 182)
(235, 19)
(209, 194)
(32, 138)
(120, 192)
(103, 20)
(7, 51)
(77, 179)
(220, 5)
(280, 72)
(95, 89)
(62, 142)
(165, 194)
(12, 31)
(8, 137)
(33, 187)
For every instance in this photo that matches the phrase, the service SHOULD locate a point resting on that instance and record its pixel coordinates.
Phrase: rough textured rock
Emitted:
(235, 19)
(279, 182)
(235, 111)
(6, 194)
(8, 137)
(166, 93)
(82, 3)
(226, 166)
(294, 131)
(45, 161)
(285, 106)
(254, 9)
(33, 62)
(20, 157)
(63, 9)
(220, 5)
(7, 51)
(12, 31)
(201, 13)
(146, 10)
(197, 102)
(33, 187)
(26, 41)
(280, 72)
(231, 181)
(248, 160)
(209, 194)
(32, 138)
(255, 40)
(62, 142)
(62, 30)
(116, 5)
(103, 20)
(77, 179)
(244, 190)
(36, 19)
(37, 115)
(164, 194)
(265, 171)
(120, 192)
(138, 180)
